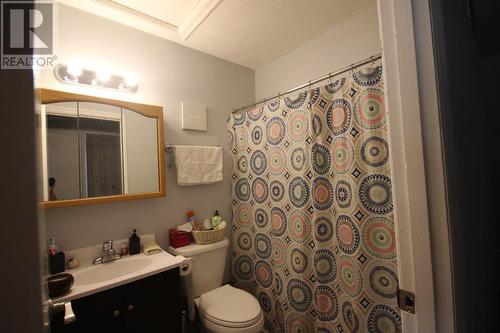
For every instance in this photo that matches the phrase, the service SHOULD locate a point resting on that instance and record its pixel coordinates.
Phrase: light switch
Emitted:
(194, 116)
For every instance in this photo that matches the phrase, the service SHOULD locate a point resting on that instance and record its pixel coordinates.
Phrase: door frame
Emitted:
(416, 150)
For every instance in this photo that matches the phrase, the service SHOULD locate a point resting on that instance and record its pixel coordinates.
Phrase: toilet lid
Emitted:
(230, 307)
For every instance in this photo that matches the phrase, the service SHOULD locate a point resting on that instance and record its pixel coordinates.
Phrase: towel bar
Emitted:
(170, 148)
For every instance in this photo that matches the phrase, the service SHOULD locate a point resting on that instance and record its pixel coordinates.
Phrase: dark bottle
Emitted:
(56, 263)
(134, 244)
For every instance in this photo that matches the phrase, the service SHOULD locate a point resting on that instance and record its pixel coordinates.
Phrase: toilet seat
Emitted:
(230, 307)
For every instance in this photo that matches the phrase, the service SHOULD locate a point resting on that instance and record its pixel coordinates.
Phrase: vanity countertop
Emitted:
(91, 279)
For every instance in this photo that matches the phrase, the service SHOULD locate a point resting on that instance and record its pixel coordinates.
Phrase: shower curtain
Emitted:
(313, 229)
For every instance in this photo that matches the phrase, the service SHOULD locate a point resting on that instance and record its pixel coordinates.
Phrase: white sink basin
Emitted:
(90, 279)
(112, 270)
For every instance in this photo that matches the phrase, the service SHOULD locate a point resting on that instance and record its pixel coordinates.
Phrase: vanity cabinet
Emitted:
(148, 305)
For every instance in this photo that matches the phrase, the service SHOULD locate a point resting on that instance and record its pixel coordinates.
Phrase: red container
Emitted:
(179, 238)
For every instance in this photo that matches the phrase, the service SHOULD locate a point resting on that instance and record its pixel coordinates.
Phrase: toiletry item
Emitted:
(191, 218)
(56, 258)
(151, 248)
(123, 250)
(216, 220)
(196, 225)
(56, 263)
(134, 244)
(186, 227)
(207, 225)
(222, 225)
(52, 246)
(72, 263)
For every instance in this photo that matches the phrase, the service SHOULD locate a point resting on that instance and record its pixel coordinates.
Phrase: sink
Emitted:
(91, 279)
(111, 270)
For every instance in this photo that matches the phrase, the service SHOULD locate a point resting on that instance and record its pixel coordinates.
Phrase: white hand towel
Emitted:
(198, 165)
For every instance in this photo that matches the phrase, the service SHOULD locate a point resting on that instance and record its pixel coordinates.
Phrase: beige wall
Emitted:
(168, 74)
(347, 41)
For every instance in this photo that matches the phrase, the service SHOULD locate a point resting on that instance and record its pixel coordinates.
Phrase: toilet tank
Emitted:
(209, 262)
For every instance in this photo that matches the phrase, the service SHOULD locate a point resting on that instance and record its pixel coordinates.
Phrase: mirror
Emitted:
(99, 150)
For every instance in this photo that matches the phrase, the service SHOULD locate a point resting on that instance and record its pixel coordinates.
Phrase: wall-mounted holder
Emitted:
(73, 74)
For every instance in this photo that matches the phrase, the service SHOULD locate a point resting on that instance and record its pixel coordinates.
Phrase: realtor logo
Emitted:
(27, 34)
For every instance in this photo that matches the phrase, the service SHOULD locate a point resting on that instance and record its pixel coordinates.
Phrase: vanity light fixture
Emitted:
(102, 76)
(130, 82)
(74, 74)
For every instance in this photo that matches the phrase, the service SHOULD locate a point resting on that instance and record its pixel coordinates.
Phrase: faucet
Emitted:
(109, 254)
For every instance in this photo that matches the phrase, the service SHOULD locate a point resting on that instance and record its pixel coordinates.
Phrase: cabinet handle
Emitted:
(116, 313)
(130, 308)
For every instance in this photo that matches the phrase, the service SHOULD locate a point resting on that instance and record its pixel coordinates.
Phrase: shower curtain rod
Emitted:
(313, 82)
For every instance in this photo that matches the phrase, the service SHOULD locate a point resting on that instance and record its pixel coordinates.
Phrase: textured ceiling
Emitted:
(251, 33)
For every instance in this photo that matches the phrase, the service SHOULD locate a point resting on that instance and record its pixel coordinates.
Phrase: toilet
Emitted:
(221, 308)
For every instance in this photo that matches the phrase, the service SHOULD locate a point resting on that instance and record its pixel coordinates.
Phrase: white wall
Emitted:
(347, 41)
(168, 74)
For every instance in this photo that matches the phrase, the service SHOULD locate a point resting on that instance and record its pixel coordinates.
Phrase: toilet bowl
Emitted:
(221, 308)
(228, 309)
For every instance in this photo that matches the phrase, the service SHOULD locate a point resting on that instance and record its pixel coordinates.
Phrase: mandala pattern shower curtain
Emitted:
(313, 229)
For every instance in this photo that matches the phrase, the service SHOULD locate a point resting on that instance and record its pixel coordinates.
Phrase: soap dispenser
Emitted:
(134, 244)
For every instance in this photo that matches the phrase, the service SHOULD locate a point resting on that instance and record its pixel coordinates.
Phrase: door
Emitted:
(103, 164)
(465, 37)
(418, 180)
(22, 279)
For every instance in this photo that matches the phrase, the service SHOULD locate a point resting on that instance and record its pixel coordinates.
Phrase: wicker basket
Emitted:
(209, 236)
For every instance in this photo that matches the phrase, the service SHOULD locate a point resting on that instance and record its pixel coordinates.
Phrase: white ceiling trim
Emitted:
(196, 17)
(130, 11)
(139, 20)
(124, 17)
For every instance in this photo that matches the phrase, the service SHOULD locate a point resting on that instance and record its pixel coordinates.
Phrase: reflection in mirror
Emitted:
(62, 176)
(61, 146)
(140, 153)
(99, 131)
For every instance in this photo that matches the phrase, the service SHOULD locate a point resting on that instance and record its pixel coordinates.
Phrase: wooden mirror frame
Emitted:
(48, 96)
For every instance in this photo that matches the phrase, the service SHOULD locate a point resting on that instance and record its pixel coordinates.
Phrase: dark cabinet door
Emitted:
(153, 304)
(99, 312)
(148, 305)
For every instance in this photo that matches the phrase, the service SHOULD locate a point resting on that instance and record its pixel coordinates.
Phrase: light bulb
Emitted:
(131, 80)
(103, 75)
(74, 70)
